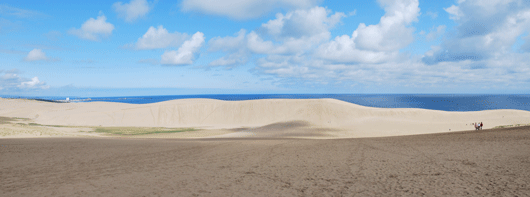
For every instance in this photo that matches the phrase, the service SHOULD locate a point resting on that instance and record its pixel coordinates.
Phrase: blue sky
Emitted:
(142, 47)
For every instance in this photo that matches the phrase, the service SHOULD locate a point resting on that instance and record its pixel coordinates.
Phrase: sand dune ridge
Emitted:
(352, 120)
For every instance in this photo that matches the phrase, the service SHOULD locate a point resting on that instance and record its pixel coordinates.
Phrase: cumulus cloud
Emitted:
(186, 53)
(158, 38)
(302, 23)
(94, 29)
(228, 43)
(294, 49)
(375, 43)
(296, 32)
(38, 55)
(11, 81)
(393, 31)
(343, 49)
(283, 66)
(486, 29)
(35, 55)
(256, 44)
(508, 72)
(133, 10)
(234, 46)
(244, 9)
(371, 56)
(231, 60)
(34, 83)
(454, 12)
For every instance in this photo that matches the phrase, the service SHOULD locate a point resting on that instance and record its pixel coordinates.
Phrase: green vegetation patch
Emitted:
(139, 130)
(508, 126)
(53, 125)
(7, 120)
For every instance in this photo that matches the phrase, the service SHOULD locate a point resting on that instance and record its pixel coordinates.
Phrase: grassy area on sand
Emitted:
(127, 131)
(508, 126)
(123, 131)
(7, 120)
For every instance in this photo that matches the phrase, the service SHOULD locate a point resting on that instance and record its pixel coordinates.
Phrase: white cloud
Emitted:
(454, 12)
(257, 45)
(158, 38)
(343, 49)
(393, 31)
(94, 29)
(295, 56)
(283, 66)
(375, 43)
(300, 38)
(486, 29)
(379, 62)
(295, 32)
(231, 60)
(133, 10)
(35, 55)
(186, 53)
(38, 55)
(302, 23)
(235, 46)
(244, 9)
(228, 43)
(11, 81)
(34, 83)
(510, 72)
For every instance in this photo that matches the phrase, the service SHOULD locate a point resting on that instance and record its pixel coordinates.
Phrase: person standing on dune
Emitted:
(481, 125)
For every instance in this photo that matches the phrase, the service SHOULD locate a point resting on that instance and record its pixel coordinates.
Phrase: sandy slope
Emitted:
(316, 118)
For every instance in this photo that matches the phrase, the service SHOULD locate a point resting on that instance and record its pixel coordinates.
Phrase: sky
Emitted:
(158, 47)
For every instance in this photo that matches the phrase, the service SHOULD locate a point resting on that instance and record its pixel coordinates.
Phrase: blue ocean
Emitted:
(445, 102)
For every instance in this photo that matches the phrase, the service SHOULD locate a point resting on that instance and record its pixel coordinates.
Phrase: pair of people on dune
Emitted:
(478, 126)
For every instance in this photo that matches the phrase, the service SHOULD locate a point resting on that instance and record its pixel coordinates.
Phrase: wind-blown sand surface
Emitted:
(475, 163)
(251, 148)
(308, 118)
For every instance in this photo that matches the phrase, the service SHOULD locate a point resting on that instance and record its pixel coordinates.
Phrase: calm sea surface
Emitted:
(446, 102)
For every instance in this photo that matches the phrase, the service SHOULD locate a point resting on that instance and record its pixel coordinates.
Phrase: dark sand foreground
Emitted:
(484, 163)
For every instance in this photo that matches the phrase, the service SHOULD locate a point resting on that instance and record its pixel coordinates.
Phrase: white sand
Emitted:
(330, 117)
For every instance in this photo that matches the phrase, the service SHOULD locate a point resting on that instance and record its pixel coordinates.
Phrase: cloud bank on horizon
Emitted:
(314, 46)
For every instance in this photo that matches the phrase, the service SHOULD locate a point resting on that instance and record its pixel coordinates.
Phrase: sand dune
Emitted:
(316, 118)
